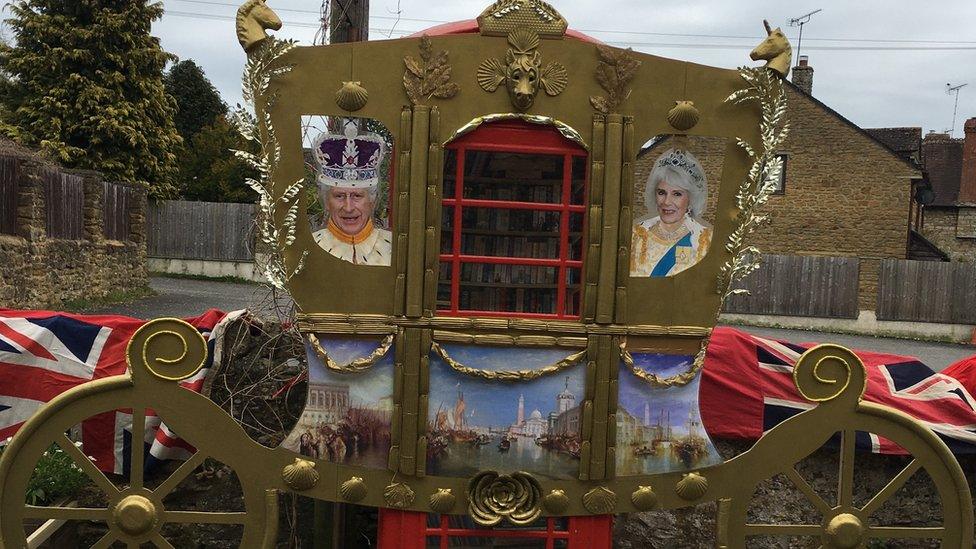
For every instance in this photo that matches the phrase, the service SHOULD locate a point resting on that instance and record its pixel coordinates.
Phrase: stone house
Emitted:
(949, 215)
(66, 235)
(843, 191)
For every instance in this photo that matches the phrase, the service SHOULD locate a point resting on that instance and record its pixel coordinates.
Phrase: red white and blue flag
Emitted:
(43, 354)
(747, 388)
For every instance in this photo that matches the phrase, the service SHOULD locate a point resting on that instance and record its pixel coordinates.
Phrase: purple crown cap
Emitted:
(349, 160)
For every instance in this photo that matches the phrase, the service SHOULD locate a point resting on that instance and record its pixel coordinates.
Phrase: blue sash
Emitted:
(667, 261)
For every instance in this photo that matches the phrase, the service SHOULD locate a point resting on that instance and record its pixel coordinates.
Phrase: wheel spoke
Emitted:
(81, 460)
(106, 541)
(929, 532)
(65, 513)
(803, 486)
(203, 517)
(783, 529)
(179, 474)
(159, 541)
(896, 483)
(137, 463)
(845, 488)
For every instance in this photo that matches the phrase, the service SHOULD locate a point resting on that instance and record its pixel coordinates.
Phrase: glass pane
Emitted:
(578, 189)
(513, 176)
(450, 173)
(508, 288)
(575, 236)
(447, 230)
(510, 233)
(574, 291)
(444, 286)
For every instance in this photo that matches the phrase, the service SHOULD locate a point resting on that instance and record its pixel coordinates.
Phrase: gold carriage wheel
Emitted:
(845, 525)
(134, 514)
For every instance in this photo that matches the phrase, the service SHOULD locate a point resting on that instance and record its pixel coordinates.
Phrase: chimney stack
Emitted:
(967, 182)
(803, 75)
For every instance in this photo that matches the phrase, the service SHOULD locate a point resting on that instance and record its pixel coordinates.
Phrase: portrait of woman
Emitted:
(676, 238)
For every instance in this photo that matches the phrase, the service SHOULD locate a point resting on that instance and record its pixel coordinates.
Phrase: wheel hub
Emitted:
(845, 531)
(135, 515)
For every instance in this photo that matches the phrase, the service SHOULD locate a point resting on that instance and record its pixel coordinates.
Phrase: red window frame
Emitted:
(517, 137)
(410, 530)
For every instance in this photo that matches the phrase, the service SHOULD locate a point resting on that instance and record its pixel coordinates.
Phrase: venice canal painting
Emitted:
(659, 428)
(347, 416)
(476, 425)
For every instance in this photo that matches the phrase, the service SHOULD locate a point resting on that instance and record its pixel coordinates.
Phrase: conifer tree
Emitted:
(198, 103)
(87, 88)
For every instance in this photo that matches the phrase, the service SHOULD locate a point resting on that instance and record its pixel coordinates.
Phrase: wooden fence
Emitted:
(9, 176)
(800, 286)
(927, 291)
(118, 199)
(64, 204)
(201, 230)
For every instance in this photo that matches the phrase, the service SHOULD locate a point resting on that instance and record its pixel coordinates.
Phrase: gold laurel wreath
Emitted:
(358, 365)
(677, 380)
(507, 375)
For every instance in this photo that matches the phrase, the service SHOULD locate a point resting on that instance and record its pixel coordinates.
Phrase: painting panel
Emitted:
(475, 424)
(659, 429)
(347, 416)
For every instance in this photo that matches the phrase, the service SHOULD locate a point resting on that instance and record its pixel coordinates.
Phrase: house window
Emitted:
(514, 202)
(781, 184)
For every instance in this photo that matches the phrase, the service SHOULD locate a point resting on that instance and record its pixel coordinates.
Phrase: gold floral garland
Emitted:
(507, 375)
(677, 380)
(358, 365)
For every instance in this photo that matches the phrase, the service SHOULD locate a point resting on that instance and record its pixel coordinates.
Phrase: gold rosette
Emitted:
(493, 497)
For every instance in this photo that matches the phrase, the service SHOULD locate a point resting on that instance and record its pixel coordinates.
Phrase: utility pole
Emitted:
(950, 89)
(348, 21)
(799, 22)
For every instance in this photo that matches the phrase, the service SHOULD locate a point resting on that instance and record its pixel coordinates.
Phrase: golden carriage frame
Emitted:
(607, 99)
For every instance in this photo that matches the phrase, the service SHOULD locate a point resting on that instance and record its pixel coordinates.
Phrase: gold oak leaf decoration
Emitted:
(430, 76)
(522, 71)
(616, 69)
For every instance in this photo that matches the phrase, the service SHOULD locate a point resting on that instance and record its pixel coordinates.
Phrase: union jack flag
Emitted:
(748, 389)
(43, 354)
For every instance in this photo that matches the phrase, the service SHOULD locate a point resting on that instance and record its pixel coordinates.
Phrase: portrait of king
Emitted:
(677, 237)
(347, 178)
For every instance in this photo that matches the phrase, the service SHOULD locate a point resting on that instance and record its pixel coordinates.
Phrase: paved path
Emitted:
(185, 298)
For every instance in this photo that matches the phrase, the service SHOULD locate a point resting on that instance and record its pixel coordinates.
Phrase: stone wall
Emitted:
(943, 228)
(41, 272)
(845, 194)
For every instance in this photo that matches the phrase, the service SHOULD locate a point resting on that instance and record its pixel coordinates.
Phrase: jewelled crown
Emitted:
(348, 160)
(684, 161)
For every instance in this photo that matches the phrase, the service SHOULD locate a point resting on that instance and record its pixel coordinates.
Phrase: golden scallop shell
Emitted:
(691, 487)
(556, 502)
(351, 96)
(683, 116)
(300, 475)
(398, 496)
(442, 501)
(600, 501)
(644, 498)
(353, 490)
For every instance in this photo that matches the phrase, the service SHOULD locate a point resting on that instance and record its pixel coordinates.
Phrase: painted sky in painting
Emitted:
(496, 404)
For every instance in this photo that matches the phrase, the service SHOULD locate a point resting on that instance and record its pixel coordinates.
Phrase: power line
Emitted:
(615, 31)
(217, 17)
(685, 45)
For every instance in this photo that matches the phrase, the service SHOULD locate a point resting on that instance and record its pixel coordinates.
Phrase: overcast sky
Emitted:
(879, 63)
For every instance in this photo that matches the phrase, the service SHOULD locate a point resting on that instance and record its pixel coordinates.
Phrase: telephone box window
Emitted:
(513, 220)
